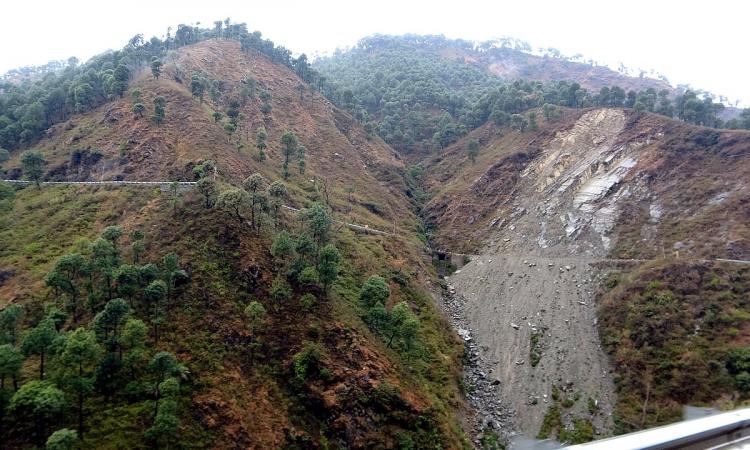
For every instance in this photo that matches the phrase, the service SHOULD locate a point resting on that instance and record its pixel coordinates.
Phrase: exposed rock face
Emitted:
(575, 183)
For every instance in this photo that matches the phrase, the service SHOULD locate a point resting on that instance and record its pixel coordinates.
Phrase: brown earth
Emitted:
(546, 210)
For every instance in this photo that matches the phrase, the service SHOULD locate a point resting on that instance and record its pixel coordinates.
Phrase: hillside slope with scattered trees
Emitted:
(423, 93)
(213, 317)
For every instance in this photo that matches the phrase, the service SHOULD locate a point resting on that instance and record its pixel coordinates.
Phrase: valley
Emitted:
(415, 243)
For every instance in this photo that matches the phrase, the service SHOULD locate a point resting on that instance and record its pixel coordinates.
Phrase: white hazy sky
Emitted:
(697, 42)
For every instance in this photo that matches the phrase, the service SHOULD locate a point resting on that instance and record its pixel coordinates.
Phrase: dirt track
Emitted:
(505, 300)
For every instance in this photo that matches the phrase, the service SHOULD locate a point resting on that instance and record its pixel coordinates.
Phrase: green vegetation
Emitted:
(554, 424)
(582, 432)
(672, 330)
(416, 99)
(102, 356)
(33, 163)
(535, 350)
(491, 440)
(552, 421)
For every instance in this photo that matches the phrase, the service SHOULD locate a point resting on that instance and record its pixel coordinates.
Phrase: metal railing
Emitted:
(729, 430)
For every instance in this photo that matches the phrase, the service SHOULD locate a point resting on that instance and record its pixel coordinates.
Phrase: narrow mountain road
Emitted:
(181, 185)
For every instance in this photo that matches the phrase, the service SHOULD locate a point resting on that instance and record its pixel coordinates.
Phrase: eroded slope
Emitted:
(550, 213)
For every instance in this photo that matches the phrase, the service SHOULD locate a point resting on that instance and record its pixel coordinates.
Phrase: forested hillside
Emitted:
(216, 316)
(421, 93)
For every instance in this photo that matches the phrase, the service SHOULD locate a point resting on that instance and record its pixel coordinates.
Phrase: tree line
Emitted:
(404, 90)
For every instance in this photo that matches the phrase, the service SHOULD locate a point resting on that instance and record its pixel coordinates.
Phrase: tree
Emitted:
(40, 402)
(198, 86)
(156, 68)
(4, 156)
(7, 191)
(205, 169)
(277, 191)
(62, 439)
(518, 122)
(207, 187)
(10, 364)
(137, 247)
(375, 290)
(139, 109)
(109, 322)
(69, 274)
(230, 127)
(255, 314)
(112, 234)
(289, 141)
(133, 344)
(532, 121)
(38, 340)
(318, 223)
(120, 83)
(155, 293)
(328, 266)
(165, 426)
(159, 109)
(472, 150)
(234, 201)
(403, 325)
(126, 279)
(163, 366)
(551, 113)
(172, 272)
(217, 115)
(307, 302)
(377, 318)
(79, 356)
(260, 143)
(283, 248)
(254, 185)
(32, 164)
(10, 318)
(308, 276)
(301, 159)
(104, 263)
(280, 289)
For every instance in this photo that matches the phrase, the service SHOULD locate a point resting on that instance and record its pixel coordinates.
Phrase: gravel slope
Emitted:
(504, 300)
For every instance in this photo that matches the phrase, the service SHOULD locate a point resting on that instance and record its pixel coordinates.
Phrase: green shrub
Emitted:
(552, 421)
(307, 302)
(308, 362)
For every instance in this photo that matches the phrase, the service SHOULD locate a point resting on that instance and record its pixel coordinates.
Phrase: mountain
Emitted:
(423, 93)
(317, 371)
(602, 237)
(400, 246)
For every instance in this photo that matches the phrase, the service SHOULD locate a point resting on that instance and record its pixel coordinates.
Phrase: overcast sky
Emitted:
(699, 43)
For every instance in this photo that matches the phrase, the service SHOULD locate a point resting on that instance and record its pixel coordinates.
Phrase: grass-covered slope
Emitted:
(677, 332)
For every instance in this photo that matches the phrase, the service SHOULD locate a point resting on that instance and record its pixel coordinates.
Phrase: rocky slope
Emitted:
(548, 214)
(534, 320)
